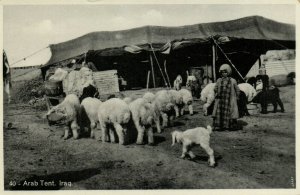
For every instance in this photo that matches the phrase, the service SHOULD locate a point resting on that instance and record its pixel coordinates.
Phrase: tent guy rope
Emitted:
(159, 66)
(228, 59)
(28, 56)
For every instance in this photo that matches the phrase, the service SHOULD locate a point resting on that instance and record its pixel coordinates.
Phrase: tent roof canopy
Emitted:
(251, 28)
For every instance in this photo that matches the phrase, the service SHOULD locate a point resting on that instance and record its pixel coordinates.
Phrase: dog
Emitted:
(269, 96)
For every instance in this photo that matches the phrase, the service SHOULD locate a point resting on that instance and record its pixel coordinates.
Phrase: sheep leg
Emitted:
(112, 135)
(150, 136)
(184, 150)
(93, 127)
(103, 131)
(120, 133)
(171, 120)
(75, 128)
(165, 119)
(210, 153)
(192, 155)
(67, 129)
(181, 111)
(176, 110)
(97, 133)
(205, 107)
(141, 132)
(157, 122)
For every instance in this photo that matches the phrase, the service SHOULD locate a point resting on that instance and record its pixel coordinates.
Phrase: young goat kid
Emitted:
(197, 136)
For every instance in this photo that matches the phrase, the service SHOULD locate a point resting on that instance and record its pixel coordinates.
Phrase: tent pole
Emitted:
(259, 62)
(152, 68)
(165, 66)
(148, 77)
(214, 62)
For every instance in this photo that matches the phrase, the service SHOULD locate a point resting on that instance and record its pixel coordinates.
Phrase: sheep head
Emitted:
(169, 106)
(176, 137)
(179, 79)
(57, 113)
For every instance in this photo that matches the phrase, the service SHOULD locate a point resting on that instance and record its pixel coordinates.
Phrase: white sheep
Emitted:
(128, 100)
(144, 115)
(197, 136)
(149, 97)
(59, 75)
(162, 103)
(176, 99)
(67, 113)
(187, 99)
(90, 106)
(114, 113)
(248, 89)
(208, 96)
(178, 82)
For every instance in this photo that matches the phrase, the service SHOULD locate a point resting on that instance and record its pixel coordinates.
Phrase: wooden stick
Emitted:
(214, 62)
(165, 65)
(153, 76)
(148, 78)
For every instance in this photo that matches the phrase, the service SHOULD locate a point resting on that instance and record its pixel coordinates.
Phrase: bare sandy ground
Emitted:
(261, 155)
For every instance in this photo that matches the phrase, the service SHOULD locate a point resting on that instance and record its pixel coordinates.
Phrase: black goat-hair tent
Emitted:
(241, 40)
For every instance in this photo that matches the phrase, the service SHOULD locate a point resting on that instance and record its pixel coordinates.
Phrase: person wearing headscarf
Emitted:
(225, 112)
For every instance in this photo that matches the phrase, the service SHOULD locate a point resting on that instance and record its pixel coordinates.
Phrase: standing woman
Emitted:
(226, 113)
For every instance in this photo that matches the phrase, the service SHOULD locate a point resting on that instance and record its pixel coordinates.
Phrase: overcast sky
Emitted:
(29, 28)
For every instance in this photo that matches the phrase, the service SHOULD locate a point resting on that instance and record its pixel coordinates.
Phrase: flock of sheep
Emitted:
(115, 116)
(125, 120)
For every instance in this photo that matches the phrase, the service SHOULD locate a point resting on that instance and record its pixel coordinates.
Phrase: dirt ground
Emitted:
(261, 155)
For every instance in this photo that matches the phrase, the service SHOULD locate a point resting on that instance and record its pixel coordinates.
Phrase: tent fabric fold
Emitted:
(170, 38)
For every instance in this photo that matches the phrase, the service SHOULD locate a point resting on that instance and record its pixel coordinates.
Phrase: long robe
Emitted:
(226, 107)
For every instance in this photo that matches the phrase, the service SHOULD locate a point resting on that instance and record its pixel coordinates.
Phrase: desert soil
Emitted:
(261, 155)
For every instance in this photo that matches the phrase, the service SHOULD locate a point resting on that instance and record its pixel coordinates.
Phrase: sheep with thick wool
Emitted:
(187, 99)
(67, 113)
(90, 107)
(163, 105)
(207, 96)
(197, 136)
(128, 100)
(144, 116)
(114, 114)
(149, 97)
(248, 89)
(176, 99)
